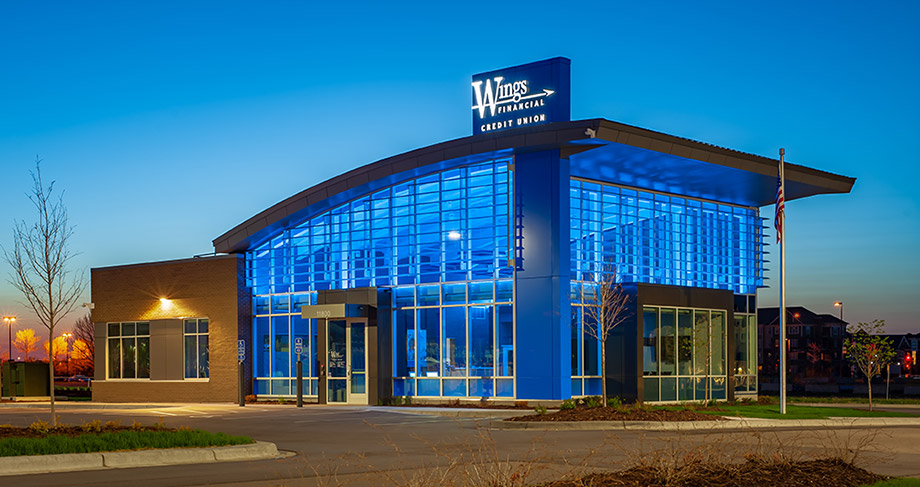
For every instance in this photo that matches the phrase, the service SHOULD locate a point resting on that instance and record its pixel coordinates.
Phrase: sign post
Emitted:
(241, 357)
(298, 349)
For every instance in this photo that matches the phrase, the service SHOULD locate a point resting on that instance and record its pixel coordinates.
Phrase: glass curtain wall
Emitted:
(586, 349)
(446, 228)
(661, 239)
(454, 340)
(684, 354)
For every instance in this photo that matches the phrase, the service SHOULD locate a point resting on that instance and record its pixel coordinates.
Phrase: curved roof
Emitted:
(597, 149)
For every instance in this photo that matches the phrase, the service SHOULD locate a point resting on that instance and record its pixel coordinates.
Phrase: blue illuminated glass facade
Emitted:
(441, 243)
(661, 239)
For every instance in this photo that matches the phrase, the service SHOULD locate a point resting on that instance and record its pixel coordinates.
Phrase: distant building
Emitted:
(815, 345)
(904, 362)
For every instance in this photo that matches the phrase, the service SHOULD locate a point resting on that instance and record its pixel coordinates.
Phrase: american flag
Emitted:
(780, 206)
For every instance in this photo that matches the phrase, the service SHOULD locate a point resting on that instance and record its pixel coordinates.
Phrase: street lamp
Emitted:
(67, 337)
(9, 320)
(839, 304)
(888, 384)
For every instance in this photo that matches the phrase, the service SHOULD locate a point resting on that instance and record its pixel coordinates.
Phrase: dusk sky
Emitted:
(168, 123)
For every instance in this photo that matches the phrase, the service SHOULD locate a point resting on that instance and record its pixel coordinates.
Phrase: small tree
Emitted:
(868, 350)
(41, 260)
(606, 304)
(26, 341)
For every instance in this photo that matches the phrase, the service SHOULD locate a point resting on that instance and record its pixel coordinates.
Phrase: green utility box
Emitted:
(25, 379)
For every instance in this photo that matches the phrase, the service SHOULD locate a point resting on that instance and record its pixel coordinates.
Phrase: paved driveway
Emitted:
(377, 446)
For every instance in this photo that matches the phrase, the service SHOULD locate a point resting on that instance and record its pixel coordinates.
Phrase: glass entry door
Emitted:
(346, 361)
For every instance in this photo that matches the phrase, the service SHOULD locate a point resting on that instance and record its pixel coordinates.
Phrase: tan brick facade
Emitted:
(212, 288)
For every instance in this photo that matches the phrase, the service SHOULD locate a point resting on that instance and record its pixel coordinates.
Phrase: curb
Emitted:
(732, 424)
(34, 464)
(456, 412)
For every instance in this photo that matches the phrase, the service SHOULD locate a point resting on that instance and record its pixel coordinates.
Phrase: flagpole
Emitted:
(782, 286)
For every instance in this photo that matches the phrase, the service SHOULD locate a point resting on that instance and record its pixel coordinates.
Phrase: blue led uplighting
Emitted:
(661, 239)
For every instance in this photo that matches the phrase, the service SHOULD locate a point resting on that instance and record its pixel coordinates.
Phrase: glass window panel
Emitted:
(650, 343)
(405, 343)
(128, 357)
(591, 349)
(429, 295)
(191, 326)
(454, 293)
(505, 341)
(281, 358)
(668, 389)
(741, 345)
(114, 358)
(261, 346)
(650, 385)
(203, 356)
(191, 357)
(576, 343)
(668, 347)
(481, 388)
(405, 296)
(143, 358)
(504, 387)
(503, 291)
(142, 329)
(717, 342)
(280, 304)
(114, 329)
(455, 341)
(429, 325)
(480, 322)
(429, 387)
(127, 329)
(202, 326)
(480, 292)
(701, 347)
(454, 387)
(684, 342)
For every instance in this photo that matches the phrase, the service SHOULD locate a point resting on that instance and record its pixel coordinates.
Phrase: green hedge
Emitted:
(121, 440)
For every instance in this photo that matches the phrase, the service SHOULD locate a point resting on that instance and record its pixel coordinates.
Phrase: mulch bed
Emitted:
(7, 431)
(584, 413)
(753, 472)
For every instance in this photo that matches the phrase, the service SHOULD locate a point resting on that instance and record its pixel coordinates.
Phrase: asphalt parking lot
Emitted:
(376, 446)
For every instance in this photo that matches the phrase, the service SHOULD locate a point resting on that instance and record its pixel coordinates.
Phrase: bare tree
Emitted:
(41, 260)
(606, 304)
(84, 343)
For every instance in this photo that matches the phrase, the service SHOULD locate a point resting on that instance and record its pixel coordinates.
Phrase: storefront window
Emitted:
(128, 350)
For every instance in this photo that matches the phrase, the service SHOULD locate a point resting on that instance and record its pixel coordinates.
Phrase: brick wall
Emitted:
(212, 288)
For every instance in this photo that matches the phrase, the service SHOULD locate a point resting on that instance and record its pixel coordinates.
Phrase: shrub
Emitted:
(567, 404)
(614, 402)
(540, 409)
(593, 401)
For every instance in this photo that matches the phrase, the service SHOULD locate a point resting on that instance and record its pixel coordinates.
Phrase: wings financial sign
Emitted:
(520, 96)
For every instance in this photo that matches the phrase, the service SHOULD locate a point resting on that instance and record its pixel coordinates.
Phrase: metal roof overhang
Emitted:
(597, 149)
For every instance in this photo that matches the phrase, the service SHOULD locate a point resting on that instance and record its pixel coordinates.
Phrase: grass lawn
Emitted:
(897, 483)
(854, 399)
(126, 439)
(771, 411)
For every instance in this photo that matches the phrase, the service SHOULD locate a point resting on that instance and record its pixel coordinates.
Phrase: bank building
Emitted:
(463, 270)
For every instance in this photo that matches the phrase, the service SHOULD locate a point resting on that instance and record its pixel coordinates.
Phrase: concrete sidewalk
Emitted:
(727, 425)
(72, 462)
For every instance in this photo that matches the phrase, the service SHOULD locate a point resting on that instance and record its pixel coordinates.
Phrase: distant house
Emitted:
(905, 360)
(815, 345)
